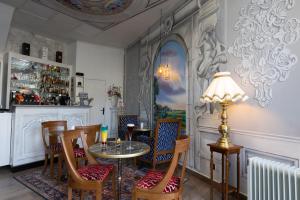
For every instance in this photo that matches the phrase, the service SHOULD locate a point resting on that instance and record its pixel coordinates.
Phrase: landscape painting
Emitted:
(170, 95)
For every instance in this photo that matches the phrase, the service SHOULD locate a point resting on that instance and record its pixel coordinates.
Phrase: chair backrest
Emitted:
(181, 150)
(49, 126)
(122, 124)
(166, 133)
(92, 133)
(67, 139)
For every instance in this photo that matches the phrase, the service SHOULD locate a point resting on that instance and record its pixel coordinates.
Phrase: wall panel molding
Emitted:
(259, 134)
(256, 143)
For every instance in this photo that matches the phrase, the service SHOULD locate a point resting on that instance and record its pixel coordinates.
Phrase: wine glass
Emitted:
(130, 128)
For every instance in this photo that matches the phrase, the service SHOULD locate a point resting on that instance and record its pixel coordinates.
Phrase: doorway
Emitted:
(96, 89)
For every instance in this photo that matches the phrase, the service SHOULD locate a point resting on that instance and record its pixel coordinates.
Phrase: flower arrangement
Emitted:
(114, 91)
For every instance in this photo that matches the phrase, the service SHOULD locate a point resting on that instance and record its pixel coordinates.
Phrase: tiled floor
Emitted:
(10, 189)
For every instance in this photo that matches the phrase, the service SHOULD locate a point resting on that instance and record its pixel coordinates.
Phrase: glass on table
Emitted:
(104, 134)
(130, 128)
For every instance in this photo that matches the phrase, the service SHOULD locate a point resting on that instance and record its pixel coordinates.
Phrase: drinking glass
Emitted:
(130, 128)
(104, 133)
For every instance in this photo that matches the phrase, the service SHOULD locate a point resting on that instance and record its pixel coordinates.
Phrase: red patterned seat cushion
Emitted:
(152, 178)
(56, 148)
(95, 172)
(79, 152)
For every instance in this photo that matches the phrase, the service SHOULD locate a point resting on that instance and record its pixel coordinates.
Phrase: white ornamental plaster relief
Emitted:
(145, 87)
(211, 56)
(265, 32)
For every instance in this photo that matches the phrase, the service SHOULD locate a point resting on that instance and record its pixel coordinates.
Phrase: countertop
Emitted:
(49, 106)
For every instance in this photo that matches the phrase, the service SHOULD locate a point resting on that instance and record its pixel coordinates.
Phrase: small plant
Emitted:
(114, 91)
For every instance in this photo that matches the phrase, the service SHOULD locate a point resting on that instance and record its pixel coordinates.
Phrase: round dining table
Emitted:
(125, 149)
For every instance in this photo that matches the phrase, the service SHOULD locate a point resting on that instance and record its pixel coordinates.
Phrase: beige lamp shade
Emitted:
(223, 89)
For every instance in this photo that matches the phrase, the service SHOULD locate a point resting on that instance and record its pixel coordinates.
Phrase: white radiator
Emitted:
(270, 180)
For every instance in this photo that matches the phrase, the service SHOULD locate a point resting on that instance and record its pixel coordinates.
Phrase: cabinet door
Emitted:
(28, 145)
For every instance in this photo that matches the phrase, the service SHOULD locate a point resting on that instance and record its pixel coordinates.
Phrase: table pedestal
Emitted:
(119, 178)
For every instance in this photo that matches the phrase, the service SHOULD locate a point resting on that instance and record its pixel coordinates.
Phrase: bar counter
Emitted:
(26, 137)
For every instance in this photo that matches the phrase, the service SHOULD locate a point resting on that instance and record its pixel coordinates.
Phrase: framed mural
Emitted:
(170, 81)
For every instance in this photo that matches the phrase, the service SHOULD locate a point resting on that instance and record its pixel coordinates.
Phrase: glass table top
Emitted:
(125, 149)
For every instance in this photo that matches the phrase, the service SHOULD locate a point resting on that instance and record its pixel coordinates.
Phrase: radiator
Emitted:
(270, 180)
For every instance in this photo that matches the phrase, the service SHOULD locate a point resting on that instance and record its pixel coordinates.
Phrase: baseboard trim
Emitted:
(30, 165)
(207, 180)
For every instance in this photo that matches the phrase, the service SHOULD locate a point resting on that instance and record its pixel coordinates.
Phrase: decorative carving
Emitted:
(264, 34)
(211, 55)
(168, 25)
(145, 86)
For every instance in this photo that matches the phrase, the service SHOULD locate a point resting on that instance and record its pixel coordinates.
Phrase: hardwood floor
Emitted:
(10, 189)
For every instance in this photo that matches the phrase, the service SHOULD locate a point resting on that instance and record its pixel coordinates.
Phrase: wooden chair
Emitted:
(52, 146)
(92, 138)
(87, 178)
(91, 132)
(163, 186)
(162, 144)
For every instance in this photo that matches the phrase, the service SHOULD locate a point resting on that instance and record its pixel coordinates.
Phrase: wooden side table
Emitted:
(224, 186)
(139, 131)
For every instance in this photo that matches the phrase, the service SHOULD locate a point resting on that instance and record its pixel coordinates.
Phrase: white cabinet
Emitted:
(5, 133)
(27, 145)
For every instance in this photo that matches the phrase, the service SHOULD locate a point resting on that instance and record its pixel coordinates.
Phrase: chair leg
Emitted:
(59, 166)
(134, 195)
(77, 162)
(52, 164)
(99, 193)
(153, 164)
(45, 163)
(81, 194)
(69, 193)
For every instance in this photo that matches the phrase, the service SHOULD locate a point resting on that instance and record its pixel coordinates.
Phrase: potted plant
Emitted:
(114, 93)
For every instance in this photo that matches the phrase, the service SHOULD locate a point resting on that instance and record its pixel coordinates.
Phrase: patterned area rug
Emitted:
(50, 189)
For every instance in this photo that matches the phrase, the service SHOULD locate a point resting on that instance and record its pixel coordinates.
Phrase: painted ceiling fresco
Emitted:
(102, 14)
(97, 7)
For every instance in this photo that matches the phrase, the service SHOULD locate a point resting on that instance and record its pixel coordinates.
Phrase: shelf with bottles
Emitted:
(34, 82)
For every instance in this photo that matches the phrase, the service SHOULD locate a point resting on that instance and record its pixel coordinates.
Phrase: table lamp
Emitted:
(225, 91)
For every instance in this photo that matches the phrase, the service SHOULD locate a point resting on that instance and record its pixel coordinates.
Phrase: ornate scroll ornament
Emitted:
(211, 55)
(145, 88)
(264, 34)
(168, 25)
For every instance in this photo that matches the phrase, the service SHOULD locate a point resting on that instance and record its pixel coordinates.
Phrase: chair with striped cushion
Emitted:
(164, 185)
(162, 144)
(122, 124)
(87, 178)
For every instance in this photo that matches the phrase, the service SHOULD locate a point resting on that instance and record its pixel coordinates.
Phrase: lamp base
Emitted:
(224, 129)
(224, 142)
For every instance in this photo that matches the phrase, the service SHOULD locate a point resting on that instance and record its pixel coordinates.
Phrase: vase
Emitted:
(114, 101)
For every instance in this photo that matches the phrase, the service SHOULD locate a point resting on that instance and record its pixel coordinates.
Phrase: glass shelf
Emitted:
(43, 83)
